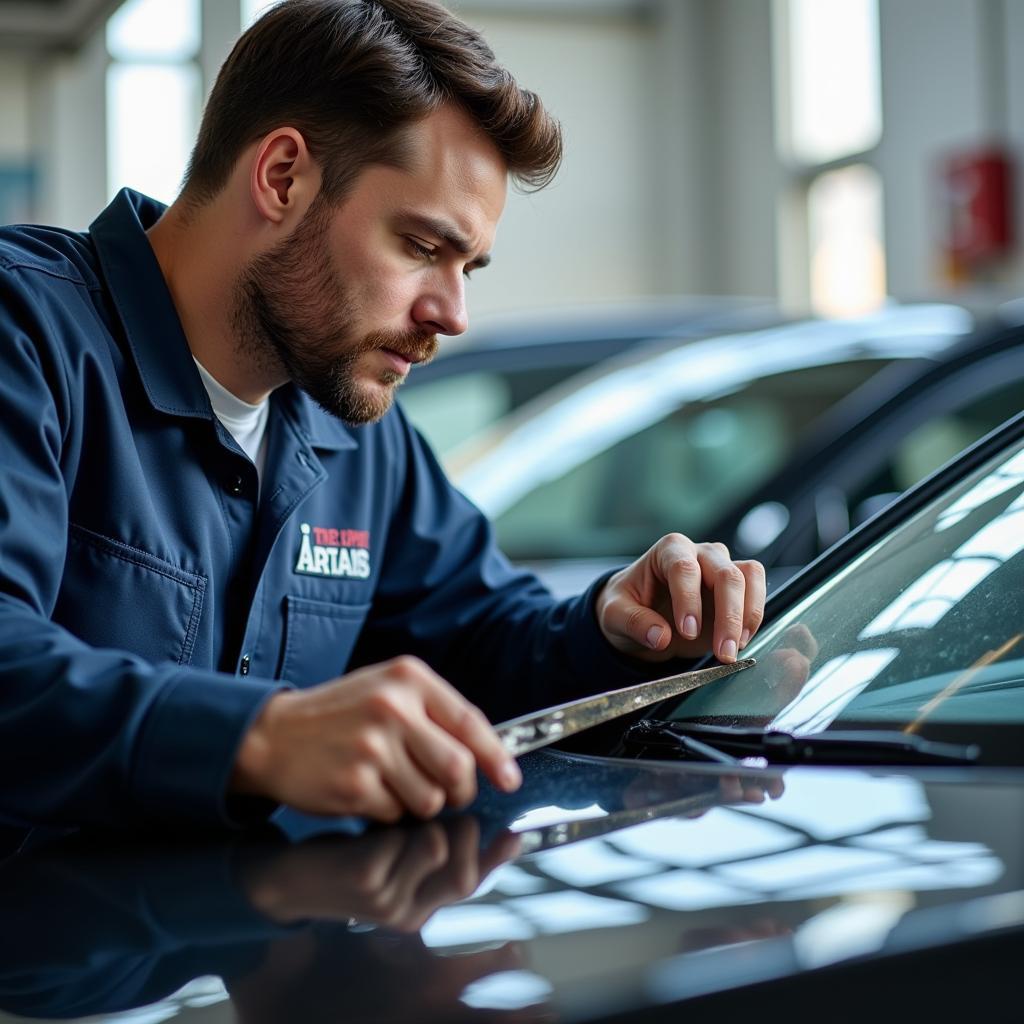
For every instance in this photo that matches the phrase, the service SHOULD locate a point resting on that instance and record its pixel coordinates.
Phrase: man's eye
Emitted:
(419, 250)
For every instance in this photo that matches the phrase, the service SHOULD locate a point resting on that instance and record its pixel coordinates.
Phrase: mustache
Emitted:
(415, 346)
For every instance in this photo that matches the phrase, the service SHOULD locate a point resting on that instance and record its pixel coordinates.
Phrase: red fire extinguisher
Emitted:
(977, 188)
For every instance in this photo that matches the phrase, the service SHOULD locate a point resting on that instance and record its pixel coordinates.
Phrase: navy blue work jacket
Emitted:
(152, 597)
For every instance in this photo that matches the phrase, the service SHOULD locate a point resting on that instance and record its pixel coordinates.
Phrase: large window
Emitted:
(844, 233)
(829, 120)
(154, 94)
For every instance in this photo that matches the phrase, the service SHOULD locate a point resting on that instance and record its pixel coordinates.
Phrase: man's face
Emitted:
(359, 291)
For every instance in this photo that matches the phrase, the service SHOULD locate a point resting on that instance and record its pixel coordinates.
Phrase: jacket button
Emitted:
(237, 485)
(243, 668)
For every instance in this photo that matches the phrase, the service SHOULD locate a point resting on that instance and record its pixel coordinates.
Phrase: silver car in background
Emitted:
(671, 436)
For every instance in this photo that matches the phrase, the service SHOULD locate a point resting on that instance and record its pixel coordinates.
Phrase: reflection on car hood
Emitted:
(610, 886)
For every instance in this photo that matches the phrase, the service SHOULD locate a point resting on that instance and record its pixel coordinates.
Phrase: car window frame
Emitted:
(914, 397)
(875, 528)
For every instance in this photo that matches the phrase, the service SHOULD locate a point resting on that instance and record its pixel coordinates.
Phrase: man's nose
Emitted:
(442, 309)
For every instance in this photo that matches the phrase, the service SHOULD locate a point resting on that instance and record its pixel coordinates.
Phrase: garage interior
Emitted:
(683, 171)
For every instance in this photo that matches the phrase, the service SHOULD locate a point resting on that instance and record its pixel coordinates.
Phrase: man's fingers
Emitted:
(643, 626)
(385, 739)
(460, 876)
(729, 584)
(445, 760)
(506, 847)
(801, 639)
(680, 568)
(421, 795)
(677, 597)
(455, 715)
(737, 588)
(424, 855)
(754, 595)
(374, 800)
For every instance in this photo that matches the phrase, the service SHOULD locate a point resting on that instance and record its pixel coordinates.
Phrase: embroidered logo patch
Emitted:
(326, 551)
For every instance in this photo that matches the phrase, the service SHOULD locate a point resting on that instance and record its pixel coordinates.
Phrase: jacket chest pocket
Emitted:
(115, 595)
(319, 637)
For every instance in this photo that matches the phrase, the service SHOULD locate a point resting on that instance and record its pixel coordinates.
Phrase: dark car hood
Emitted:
(613, 890)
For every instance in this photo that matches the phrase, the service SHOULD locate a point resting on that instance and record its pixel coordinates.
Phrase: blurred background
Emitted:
(772, 287)
(821, 153)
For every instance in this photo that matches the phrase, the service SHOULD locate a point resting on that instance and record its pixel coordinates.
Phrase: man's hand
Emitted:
(379, 742)
(396, 878)
(681, 600)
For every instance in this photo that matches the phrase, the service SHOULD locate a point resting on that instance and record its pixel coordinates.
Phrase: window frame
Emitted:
(793, 207)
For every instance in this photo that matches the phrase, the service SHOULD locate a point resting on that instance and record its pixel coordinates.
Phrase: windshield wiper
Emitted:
(727, 745)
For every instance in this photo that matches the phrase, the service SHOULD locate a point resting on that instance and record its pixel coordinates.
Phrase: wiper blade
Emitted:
(728, 745)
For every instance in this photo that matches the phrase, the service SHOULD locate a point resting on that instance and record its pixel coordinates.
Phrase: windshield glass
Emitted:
(921, 632)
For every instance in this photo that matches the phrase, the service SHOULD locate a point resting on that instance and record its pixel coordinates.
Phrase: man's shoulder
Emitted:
(35, 256)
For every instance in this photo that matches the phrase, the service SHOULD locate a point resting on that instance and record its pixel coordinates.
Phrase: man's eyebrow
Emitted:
(450, 234)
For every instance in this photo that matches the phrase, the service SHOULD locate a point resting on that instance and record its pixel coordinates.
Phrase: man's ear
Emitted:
(284, 179)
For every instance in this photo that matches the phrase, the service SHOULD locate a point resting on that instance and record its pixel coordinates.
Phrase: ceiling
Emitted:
(32, 25)
(28, 26)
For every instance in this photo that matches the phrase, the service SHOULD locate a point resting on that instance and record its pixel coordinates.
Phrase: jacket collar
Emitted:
(155, 336)
(143, 303)
(318, 427)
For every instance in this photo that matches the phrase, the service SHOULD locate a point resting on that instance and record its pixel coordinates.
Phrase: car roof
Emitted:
(583, 336)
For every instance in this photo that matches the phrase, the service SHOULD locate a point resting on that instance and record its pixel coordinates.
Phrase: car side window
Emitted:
(448, 410)
(452, 409)
(680, 473)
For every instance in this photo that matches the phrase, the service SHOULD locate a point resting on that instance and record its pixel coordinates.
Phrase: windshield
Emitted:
(922, 632)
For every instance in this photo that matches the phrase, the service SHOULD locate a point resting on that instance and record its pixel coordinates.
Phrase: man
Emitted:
(188, 543)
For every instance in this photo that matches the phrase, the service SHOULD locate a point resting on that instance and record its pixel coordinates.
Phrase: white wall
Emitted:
(933, 100)
(745, 178)
(69, 131)
(594, 233)
(670, 180)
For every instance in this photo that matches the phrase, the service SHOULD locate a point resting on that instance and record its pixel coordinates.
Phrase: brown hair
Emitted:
(351, 75)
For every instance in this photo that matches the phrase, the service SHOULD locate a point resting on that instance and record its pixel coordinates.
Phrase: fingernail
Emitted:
(654, 637)
(690, 627)
(511, 776)
(728, 651)
(744, 638)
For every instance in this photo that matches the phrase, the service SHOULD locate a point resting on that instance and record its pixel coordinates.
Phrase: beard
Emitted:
(292, 314)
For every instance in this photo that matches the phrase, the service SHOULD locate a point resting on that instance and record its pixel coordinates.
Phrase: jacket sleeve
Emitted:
(86, 735)
(448, 595)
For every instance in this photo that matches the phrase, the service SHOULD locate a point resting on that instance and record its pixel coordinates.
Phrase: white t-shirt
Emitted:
(246, 423)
